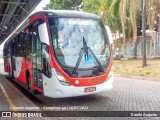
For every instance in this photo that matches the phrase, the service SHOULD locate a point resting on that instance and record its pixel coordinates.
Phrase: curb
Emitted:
(139, 78)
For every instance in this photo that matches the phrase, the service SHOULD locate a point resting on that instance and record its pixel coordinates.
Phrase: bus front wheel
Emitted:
(30, 84)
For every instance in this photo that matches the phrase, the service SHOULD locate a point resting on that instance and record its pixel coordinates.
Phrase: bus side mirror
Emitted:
(109, 34)
(43, 34)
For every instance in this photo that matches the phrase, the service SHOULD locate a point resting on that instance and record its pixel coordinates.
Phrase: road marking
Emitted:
(9, 100)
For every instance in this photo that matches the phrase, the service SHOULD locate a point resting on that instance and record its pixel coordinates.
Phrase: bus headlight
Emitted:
(61, 79)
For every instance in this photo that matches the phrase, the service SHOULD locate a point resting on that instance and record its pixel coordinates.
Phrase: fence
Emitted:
(152, 47)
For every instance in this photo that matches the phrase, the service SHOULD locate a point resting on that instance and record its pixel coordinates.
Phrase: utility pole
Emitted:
(144, 61)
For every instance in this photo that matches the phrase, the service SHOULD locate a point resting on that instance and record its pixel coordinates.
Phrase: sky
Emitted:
(39, 7)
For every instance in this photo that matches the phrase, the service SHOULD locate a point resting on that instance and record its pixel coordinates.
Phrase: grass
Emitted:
(134, 68)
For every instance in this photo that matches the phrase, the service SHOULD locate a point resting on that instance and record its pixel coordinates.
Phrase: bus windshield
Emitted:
(67, 36)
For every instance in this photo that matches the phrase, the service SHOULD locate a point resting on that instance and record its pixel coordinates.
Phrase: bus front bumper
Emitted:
(61, 91)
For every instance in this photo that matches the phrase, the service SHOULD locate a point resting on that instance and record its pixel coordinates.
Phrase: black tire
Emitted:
(30, 84)
(9, 72)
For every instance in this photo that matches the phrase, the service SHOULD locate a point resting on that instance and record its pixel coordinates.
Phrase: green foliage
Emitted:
(109, 8)
(139, 17)
(91, 6)
(114, 7)
(64, 4)
(112, 21)
(139, 22)
(111, 16)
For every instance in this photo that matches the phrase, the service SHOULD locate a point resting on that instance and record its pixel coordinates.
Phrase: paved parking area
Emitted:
(128, 94)
(131, 94)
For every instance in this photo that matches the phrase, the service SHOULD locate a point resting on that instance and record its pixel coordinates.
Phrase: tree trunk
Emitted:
(144, 61)
(135, 48)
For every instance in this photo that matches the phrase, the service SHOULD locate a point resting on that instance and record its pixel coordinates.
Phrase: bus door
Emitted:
(36, 59)
(13, 57)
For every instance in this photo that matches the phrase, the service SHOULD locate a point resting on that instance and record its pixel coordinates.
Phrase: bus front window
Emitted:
(67, 38)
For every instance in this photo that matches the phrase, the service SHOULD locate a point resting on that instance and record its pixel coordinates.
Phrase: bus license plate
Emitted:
(90, 89)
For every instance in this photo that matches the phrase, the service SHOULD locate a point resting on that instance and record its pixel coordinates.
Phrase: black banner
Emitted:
(80, 114)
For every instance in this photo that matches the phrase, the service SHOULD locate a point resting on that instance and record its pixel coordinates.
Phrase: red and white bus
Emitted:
(61, 54)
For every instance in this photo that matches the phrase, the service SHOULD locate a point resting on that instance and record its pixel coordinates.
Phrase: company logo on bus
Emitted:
(94, 80)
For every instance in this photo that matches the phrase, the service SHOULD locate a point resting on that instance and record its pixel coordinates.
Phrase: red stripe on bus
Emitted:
(34, 18)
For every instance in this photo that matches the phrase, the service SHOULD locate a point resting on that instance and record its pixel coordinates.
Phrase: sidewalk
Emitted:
(137, 77)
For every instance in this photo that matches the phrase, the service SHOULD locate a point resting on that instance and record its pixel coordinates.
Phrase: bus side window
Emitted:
(27, 47)
(20, 47)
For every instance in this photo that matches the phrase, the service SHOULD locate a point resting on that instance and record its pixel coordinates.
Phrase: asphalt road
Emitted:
(128, 94)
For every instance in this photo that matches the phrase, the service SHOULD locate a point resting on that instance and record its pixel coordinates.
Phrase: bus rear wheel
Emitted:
(10, 75)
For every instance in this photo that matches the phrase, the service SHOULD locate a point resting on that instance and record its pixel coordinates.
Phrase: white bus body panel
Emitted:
(53, 88)
(43, 34)
(109, 33)
(18, 62)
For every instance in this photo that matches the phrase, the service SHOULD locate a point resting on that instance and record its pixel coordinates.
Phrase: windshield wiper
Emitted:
(85, 50)
(74, 72)
(99, 64)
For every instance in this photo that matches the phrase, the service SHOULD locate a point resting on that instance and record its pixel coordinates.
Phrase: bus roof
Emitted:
(67, 13)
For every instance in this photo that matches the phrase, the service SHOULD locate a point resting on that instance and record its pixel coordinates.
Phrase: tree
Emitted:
(64, 4)
(144, 63)
(149, 4)
(139, 33)
(111, 16)
(107, 10)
